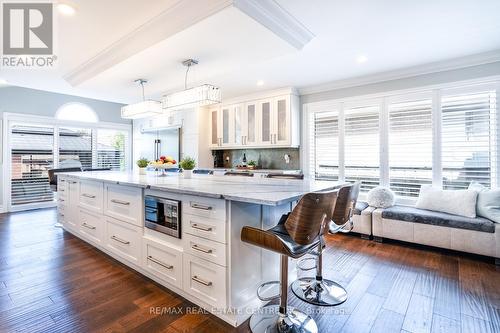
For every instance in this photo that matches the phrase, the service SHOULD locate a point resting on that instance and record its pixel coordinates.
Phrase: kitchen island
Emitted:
(208, 264)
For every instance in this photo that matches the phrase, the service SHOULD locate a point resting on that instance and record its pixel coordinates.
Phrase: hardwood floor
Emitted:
(50, 281)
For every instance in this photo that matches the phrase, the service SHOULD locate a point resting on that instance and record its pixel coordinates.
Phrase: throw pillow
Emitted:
(488, 202)
(381, 197)
(457, 202)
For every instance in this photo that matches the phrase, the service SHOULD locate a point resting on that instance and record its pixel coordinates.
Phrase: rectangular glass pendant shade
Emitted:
(193, 97)
(141, 110)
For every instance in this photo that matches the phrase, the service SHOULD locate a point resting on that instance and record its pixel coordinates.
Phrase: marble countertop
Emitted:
(262, 191)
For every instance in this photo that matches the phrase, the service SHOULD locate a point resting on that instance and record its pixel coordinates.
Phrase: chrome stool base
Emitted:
(270, 320)
(319, 292)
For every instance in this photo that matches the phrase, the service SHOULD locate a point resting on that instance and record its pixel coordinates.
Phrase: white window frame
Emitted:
(16, 118)
(435, 92)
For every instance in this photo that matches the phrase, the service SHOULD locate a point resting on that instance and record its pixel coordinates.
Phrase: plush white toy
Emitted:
(381, 197)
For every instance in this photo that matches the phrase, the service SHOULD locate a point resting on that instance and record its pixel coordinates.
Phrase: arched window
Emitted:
(77, 112)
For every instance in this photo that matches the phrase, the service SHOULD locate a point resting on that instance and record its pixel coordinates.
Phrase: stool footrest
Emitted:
(302, 262)
(264, 285)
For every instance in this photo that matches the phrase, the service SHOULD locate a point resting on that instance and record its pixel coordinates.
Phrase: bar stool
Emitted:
(295, 235)
(317, 290)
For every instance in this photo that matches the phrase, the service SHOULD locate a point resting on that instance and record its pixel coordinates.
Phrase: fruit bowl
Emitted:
(163, 166)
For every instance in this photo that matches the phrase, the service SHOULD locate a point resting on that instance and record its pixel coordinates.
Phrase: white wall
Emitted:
(42, 103)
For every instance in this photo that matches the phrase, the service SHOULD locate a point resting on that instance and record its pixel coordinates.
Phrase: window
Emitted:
(447, 137)
(326, 144)
(77, 112)
(410, 146)
(467, 136)
(75, 147)
(361, 128)
(111, 149)
(31, 157)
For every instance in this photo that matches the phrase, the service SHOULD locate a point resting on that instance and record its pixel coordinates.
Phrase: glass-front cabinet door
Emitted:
(237, 121)
(250, 128)
(226, 115)
(281, 121)
(214, 127)
(265, 122)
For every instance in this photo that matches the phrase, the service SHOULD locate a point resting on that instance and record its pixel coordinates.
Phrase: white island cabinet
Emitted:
(209, 265)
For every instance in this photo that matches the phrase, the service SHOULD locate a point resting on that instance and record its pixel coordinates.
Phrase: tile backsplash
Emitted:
(266, 158)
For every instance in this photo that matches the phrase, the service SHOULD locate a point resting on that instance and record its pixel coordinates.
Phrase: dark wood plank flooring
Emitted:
(50, 281)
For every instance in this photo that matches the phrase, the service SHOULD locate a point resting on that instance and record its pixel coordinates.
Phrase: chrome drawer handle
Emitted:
(201, 249)
(61, 200)
(61, 215)
(198, 206)
(156, 261)
(72, 182)
(203, 282)
(120, 240)
(125, 203)
(88, 226)
(88, 195)
(197, 226)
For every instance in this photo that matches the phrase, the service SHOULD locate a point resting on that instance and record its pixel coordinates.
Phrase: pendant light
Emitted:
(146, 108)
(203, 95)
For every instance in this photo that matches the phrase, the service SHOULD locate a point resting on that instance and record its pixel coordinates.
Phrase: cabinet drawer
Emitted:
(123, 240)
(205, 249)
(91, 195)
(62, 185)
(162, 261)
(205, 207)
(207, 228)
(61, 213)
(204, 280)
(90, 226)
(123, 203)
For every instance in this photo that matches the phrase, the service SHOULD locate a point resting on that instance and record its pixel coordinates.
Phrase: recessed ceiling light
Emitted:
(361, 59)
(260, 83)
(66, 9)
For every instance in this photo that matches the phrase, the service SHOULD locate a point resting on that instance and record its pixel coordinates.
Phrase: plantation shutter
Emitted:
(361, 146)
(326, 145)
(32, 156)
(467, 139)
(111, 149)
(410, 146)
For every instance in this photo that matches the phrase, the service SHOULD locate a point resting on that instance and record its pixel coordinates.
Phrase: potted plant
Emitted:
(252, 164)
(142, 163)
(187, 165)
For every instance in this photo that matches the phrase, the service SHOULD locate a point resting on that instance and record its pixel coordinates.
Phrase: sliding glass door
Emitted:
(36, 147)
(32, 155)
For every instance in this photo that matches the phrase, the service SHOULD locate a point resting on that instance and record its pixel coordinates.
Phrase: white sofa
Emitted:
(479, 236)
(362, 219)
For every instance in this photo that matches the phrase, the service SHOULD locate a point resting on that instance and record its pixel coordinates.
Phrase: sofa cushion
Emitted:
(360, 206)
(416, 215)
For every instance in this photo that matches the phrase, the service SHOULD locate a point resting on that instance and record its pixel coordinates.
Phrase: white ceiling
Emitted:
(235, 51)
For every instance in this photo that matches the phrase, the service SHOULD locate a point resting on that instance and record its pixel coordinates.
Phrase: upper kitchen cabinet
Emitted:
(261, 123)
(215, 131)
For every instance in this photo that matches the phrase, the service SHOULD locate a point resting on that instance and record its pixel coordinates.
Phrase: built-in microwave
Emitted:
(163, 215)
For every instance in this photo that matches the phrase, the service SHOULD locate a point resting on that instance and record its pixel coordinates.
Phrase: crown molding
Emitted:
(434, 67)
(271, 15)
(181, 15)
